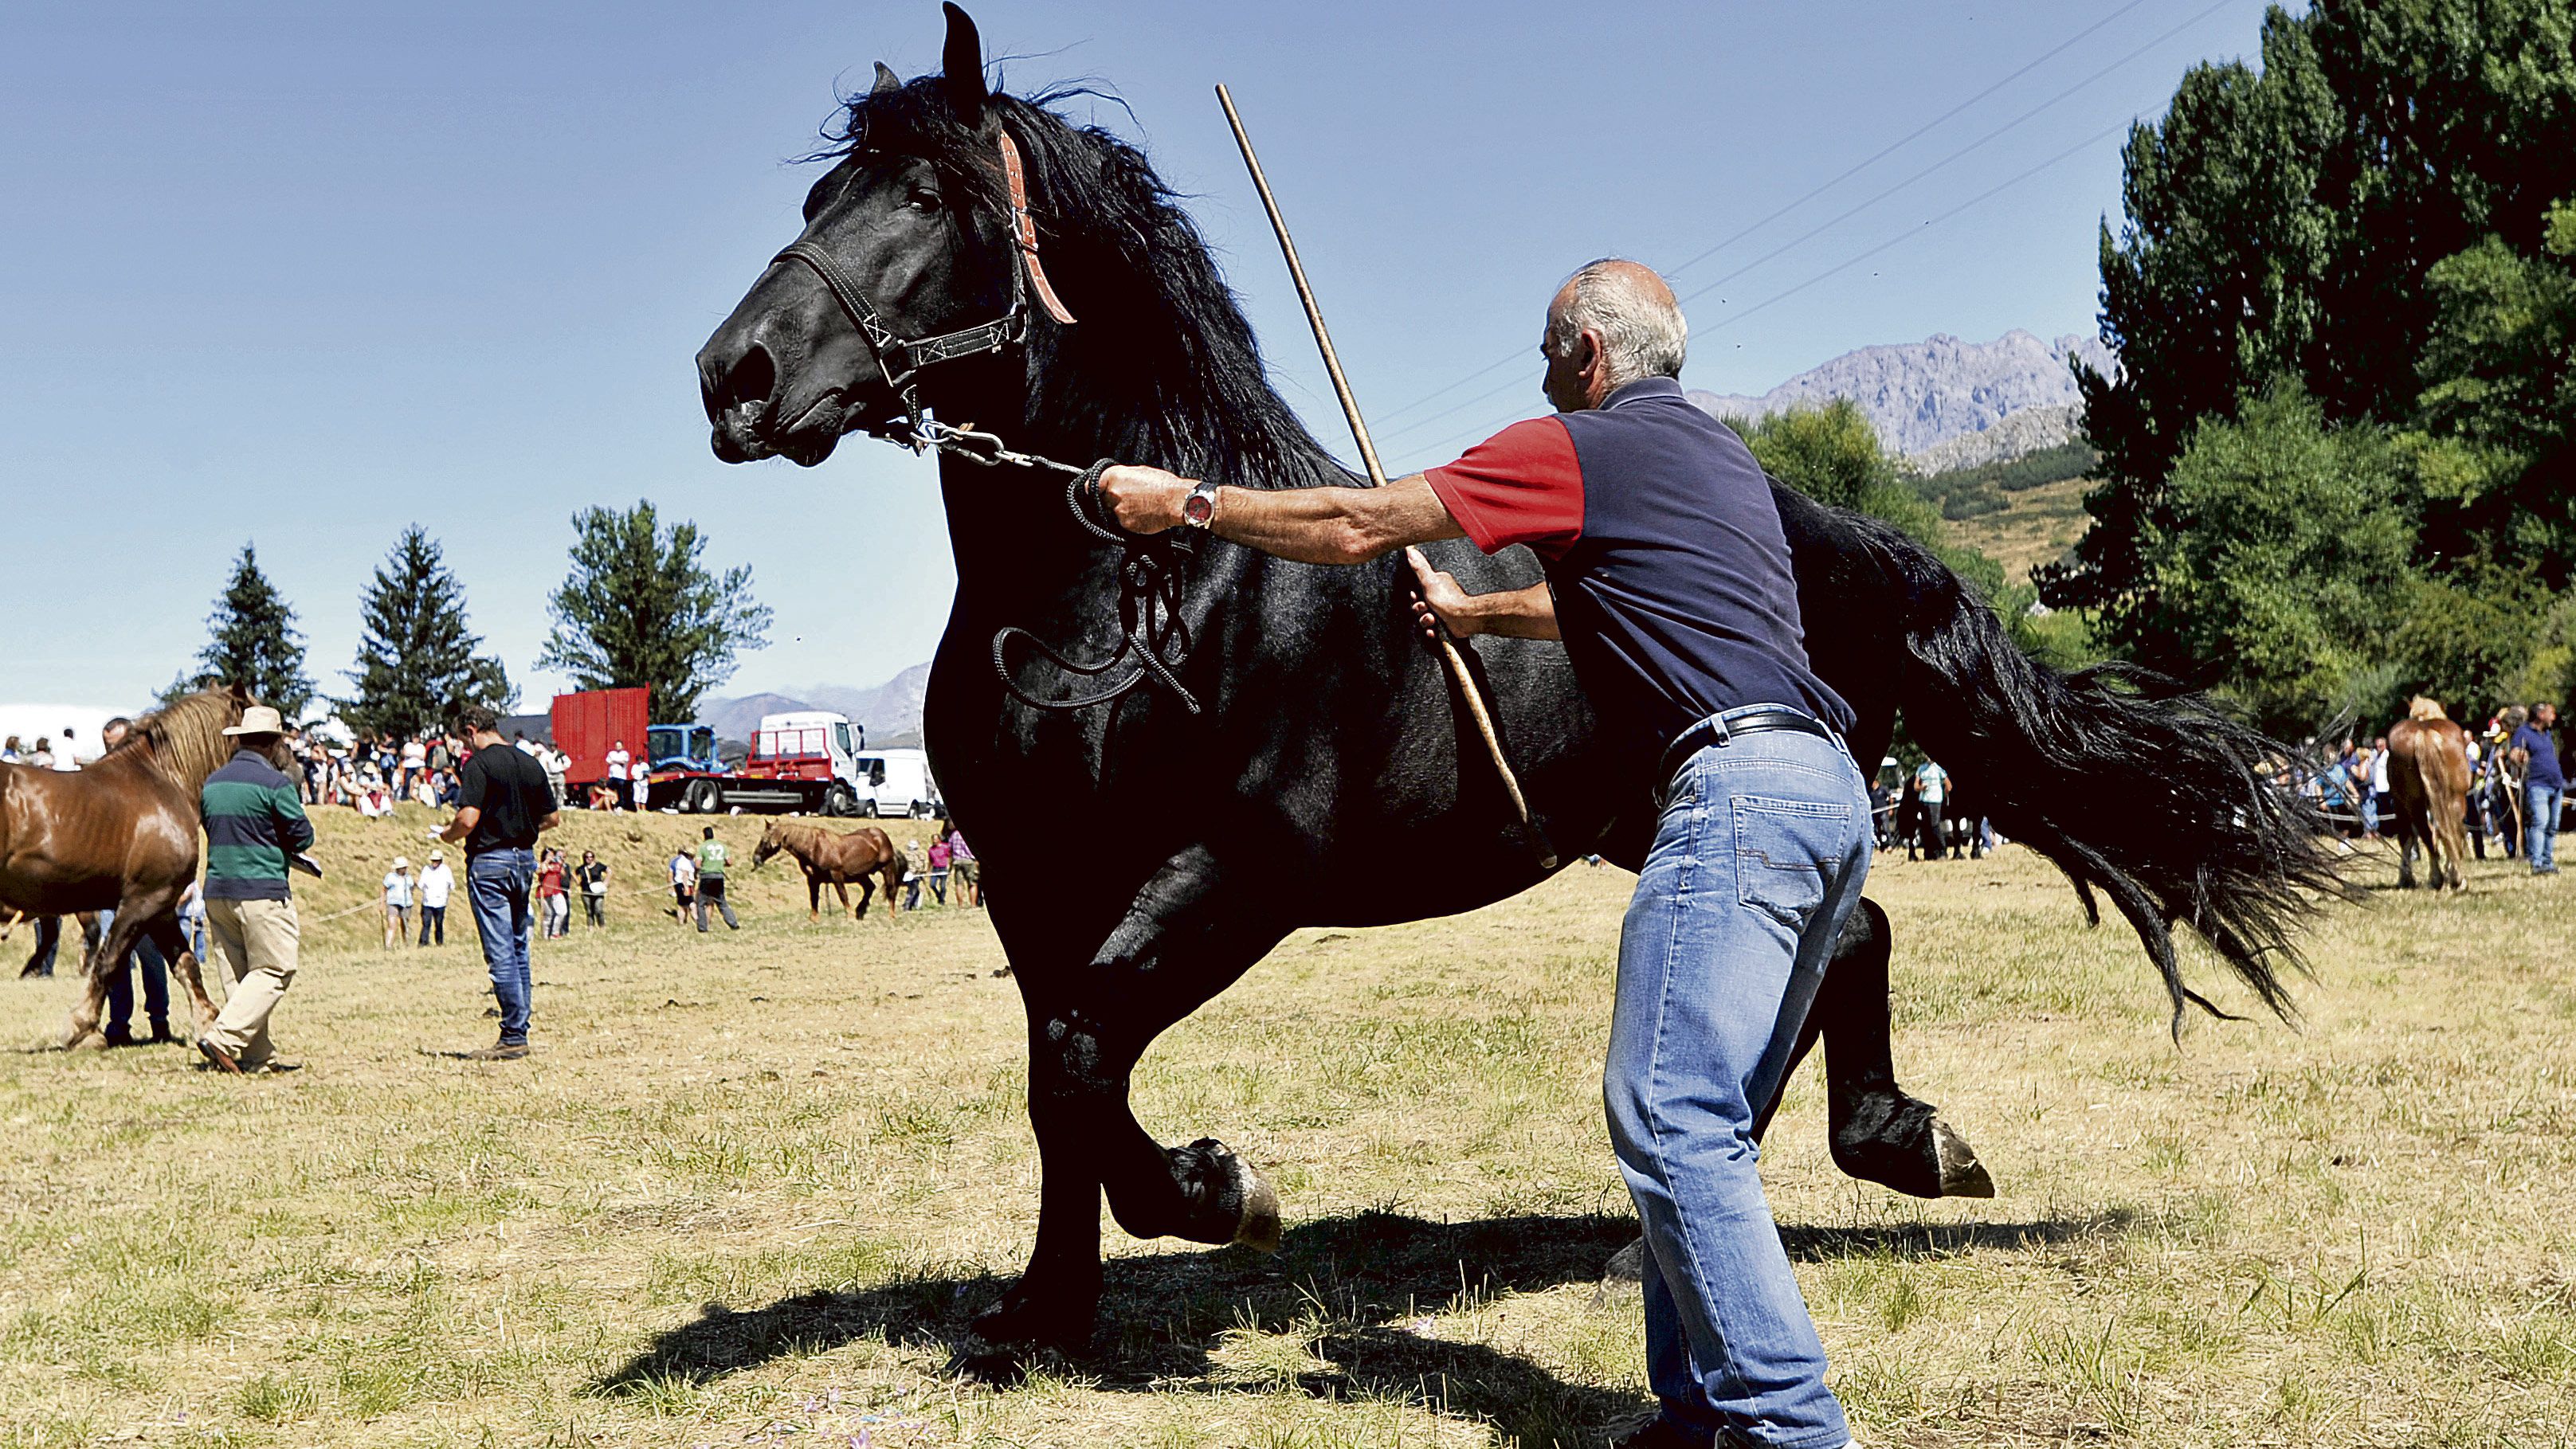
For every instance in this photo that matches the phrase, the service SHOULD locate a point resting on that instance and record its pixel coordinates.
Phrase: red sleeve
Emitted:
(1522, 485)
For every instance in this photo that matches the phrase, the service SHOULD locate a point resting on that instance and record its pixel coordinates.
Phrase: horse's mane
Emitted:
(186, 738)
(1162, 366)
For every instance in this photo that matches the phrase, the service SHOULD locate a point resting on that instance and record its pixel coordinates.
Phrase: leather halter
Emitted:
(903, 359)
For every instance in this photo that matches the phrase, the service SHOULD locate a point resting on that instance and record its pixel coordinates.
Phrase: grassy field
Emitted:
(751, 1186)
(2039, 527)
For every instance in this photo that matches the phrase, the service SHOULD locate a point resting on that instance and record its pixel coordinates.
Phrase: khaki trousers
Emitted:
(254, 942)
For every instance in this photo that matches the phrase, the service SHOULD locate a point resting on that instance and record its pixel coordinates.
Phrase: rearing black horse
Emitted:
(1329, 741)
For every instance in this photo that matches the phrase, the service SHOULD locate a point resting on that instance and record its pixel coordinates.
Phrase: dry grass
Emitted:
(2039, 527)
(751, 1187)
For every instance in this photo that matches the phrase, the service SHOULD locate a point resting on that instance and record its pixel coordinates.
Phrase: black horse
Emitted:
(1329, 773)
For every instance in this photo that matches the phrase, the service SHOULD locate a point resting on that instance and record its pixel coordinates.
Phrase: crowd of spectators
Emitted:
(2517, 789)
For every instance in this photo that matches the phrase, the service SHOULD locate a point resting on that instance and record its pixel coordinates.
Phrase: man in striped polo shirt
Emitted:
(254, 825)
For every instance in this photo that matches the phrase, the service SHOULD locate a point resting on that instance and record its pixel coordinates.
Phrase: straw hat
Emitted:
(259, 719)
(402, 863)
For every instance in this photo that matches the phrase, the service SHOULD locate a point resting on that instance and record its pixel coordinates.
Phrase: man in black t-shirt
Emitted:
(502, 805)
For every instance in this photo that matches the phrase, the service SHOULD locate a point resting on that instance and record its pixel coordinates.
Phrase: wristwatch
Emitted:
(1199, 509)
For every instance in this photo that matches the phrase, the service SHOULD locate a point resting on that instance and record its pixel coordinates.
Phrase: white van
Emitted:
(896, 782)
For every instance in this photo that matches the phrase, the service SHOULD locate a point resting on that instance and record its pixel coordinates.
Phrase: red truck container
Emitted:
(588, 725)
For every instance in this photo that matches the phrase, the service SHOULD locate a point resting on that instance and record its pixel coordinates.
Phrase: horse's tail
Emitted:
(2136, 787)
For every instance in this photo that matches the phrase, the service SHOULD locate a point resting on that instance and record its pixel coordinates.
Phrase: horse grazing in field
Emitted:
(836, 860)
(1323, 770)
(121, 835)
(2428, 772)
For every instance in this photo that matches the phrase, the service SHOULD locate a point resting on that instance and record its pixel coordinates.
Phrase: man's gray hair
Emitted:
(1641, 326)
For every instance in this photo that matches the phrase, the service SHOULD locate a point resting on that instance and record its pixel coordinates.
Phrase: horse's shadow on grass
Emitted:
(1362, 1288)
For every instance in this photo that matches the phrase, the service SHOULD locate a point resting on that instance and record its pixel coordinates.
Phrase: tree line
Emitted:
(639, 606)
(2336, 465)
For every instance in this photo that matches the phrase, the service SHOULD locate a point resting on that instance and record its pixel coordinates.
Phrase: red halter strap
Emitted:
(1024, 229)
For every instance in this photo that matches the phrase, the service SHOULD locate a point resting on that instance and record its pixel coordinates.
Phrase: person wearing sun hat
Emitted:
(255, 827)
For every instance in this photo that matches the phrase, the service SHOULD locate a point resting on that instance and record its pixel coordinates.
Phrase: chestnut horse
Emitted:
(2428, 773)
(121, 835)
(836, 860)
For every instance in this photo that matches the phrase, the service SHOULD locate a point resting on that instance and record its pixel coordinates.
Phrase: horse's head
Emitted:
(772, 841)
(914, 218)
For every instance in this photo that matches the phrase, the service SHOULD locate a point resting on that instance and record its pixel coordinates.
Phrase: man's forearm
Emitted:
(1332, 525)
(1514, 614)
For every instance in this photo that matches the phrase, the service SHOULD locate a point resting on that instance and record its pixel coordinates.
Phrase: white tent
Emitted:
(30, 722)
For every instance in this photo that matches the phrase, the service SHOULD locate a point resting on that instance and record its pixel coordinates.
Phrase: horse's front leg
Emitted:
(813, 896)
(841, 888)
(101, 956)
(1184, 939)
(1881, 1133)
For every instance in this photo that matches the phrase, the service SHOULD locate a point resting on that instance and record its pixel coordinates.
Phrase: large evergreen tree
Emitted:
(418, 662)
(254, 642)
(640, 608)
(2293, 222)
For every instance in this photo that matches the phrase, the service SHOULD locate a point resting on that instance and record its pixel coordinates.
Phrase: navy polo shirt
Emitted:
(1664, 551)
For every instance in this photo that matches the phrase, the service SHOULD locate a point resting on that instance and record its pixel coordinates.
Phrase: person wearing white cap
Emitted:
(436, 883)
(255, 826)
(398, 892)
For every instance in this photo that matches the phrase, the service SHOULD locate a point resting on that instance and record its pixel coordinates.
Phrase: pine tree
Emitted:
(639, 608)
(254, 643)
(417, 664)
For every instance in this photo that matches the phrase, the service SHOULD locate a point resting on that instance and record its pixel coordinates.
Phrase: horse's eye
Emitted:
(921, 198)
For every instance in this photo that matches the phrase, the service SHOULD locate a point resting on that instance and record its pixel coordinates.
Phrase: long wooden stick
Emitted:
(1377, 476)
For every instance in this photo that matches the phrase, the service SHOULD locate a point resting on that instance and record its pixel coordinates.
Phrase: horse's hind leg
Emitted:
(842, 888)
(184, 964)
(1880, 1133)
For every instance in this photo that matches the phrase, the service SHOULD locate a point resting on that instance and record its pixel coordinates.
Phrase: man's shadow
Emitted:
(1367, 1288)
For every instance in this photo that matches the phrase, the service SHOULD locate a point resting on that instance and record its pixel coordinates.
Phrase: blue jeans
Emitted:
(497, 882)
(2540, 824)
(1759, 855)
(120, 986)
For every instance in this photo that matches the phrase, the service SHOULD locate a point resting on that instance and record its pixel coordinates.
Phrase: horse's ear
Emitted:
(962, 59)
(239, 692)
(887, 80)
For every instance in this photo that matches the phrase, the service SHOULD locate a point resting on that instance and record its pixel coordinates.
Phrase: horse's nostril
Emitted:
(748, 381)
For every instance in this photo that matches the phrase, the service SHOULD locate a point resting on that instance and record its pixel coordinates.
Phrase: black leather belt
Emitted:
(1718, 731)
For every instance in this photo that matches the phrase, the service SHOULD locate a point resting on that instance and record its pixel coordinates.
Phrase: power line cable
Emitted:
(1840, 267)
(1838, 179)
(1811, 233)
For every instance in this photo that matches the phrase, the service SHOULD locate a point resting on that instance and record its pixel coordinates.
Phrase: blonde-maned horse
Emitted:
(121, 835)
(2428, 773)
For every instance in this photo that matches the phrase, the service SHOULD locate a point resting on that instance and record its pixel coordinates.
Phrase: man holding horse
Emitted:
(1669, 580)
(255, 824)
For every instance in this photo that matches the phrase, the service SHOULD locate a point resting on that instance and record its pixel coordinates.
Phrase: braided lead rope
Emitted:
(1151, 588)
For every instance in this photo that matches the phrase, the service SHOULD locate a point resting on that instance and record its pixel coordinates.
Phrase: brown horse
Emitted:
(2428, 772)
(836, 860)
(120, 835)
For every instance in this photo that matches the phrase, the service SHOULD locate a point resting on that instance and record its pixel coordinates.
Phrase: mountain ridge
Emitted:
(1921, 395)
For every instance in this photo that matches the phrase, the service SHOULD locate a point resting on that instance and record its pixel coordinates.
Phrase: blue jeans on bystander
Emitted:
(1759, 855)
(2540, 804)
(497, 882)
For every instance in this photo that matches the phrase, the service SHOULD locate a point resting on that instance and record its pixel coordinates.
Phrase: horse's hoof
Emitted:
(92, 1040)
(1258, 1229)
(1962, 1175)
(1030, 1321)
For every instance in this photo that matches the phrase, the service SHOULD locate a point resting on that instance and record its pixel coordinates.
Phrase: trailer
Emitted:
(806, 761)
(589, 724)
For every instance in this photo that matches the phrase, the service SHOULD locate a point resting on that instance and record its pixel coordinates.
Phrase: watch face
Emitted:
(1198, 508)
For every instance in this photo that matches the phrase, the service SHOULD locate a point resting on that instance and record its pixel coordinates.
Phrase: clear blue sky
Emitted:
(302, 274)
